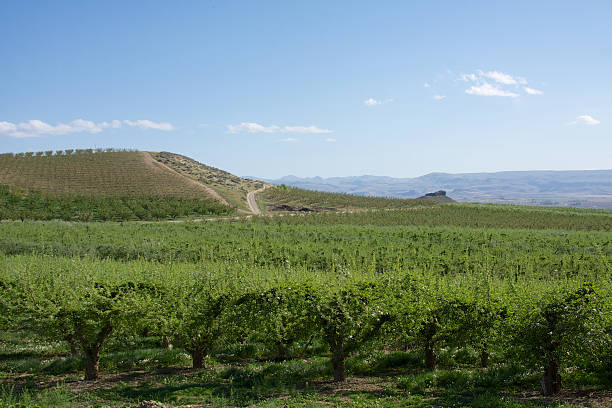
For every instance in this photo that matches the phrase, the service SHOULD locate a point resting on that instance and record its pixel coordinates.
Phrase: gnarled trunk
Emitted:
(92, 349)
(92, 358)
(197, 358)
(339, 366)
(338, 356)
(551, 380)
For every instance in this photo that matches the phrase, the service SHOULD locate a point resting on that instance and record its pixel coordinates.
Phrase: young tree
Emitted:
(349, 315)
(63, 300)
(193, 314)
(555, 330)
(278, 316)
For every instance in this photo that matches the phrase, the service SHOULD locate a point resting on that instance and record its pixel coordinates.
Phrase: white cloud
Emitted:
(439, 97)
(289, 140)
(251, 127)
(330, 140)
(304, 129)
(532, 91)
(469, 77)
(426, 85)
(372, 102)
(489, 90)
(585, 120)
(147, 124)
(499, 77)
(37, 128)
(496, 83)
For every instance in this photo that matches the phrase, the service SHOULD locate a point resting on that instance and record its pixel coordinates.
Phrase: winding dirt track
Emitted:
(252, 202)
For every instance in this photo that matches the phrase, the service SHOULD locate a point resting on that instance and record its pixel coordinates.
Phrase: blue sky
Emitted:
(327, 88)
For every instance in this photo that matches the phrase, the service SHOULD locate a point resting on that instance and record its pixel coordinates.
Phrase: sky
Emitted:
(314, 88)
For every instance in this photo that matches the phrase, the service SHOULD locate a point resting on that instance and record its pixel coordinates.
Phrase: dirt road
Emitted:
(251, 200)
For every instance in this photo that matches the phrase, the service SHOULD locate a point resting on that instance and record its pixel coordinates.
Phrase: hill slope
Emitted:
(99, 173)
(232, 188)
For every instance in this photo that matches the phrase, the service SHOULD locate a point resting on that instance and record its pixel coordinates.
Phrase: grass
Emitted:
(381, 380)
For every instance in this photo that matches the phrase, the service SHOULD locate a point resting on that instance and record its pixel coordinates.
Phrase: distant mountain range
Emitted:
(576, 188)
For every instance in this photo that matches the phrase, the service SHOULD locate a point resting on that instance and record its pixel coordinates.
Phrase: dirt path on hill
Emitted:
(149, 160)
(252, 202)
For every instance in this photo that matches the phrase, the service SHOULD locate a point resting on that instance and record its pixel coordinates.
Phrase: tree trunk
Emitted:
(338, 363)
(484, 358)
(92, 350)
(92, 358)
(551, 380)
(197, 359)
(339, 366)
(430, 356)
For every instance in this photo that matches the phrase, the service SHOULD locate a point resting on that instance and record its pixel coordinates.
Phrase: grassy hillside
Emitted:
(89, 172)
(285, 198)
(232, 188)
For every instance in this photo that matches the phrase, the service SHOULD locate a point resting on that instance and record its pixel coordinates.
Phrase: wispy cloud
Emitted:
(439, 97)
(496, 83)
(374, 102)
(147, 124)
(487, 89)
(330, 140)
(304, 129)
(289, 140)
(37, 128)
(426, 85)
(252, 127)
(532, 91)
(585, 120)
(502, 78)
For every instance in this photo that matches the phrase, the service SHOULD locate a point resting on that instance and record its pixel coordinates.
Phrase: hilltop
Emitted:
(99, 173)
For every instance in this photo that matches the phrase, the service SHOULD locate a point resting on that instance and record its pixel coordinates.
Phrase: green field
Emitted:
(446, 305)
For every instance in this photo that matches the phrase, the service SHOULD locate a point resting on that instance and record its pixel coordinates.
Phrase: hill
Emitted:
(232, 188)
(295, 199)
(91, 172)
(580, 188)
(439, 196)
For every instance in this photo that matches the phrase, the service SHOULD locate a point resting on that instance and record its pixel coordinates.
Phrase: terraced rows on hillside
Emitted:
(98, 173)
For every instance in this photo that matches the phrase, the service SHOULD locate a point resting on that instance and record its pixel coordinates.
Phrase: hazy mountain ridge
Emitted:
(577, 188)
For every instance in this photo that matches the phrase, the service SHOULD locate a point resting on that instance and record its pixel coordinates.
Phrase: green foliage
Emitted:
(18, 204)
(556, 328)
(484, 216)
(308, 292)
